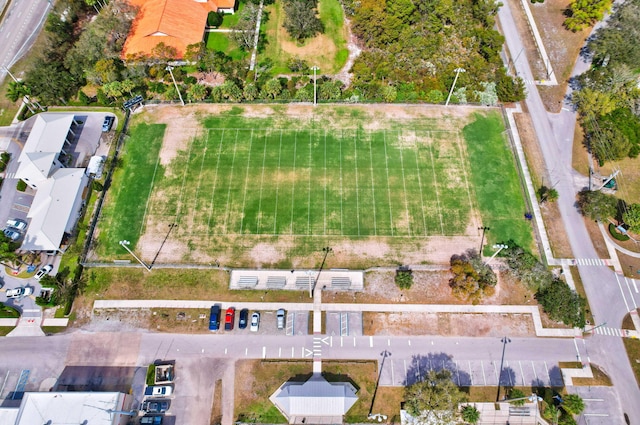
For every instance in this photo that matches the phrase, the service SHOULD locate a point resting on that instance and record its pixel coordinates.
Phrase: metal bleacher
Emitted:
(339, 282)
(276, 282)
(519, 411)
(303, 281)
(248, 281)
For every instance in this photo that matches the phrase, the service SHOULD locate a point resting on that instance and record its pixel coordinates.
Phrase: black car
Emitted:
(155, 406)
(214, 318)
(107, 123)
(244, 318)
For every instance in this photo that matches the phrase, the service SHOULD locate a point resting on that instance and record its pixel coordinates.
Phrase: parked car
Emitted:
(280, 318)
(22, 291)
(255, 322)
(151, 420)
(107, 123)
(163, 390)
(14, 235)
(214, 318)
(229, 318)
(155, 406)
(44, 271)
(243, 319)
(17, 224)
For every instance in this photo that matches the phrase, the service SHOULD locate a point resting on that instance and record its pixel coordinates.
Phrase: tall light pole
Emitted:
(504, 342)
(484, 229)
(170, 69)
(326, 250)
(125, 244)
(499, 248)
(315, 101)
(453, 86)
(379, 417)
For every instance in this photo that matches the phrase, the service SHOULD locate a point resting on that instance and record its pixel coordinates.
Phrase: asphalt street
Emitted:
(19, 30)
(606, 295)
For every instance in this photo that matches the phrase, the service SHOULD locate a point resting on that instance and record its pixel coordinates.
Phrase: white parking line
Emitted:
(246, 351)
(635, 306)
(521, 372)
(264, 352)
(534, 370)
(354, 341)
(409, 341)
(470, 373)
(292, 352)
(279, 351)
(388, 343)
(484, 377)
(622, 292)
(370, 341)
(547, 369)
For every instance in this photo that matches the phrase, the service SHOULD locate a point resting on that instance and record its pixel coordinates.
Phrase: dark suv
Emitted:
(214, 318)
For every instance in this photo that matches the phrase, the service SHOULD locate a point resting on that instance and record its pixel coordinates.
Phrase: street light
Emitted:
(504, 342)
(378, 416)
(458, 71)
(125, 244)
(499, 248)
(170, 69)
(315, 68)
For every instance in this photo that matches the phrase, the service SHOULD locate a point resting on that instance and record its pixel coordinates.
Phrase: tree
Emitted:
(562, 304)
(572, 404)
(195, 52)
(551, 413)
(547, 194)
(597, 205)
(272, 88)
(631, 217)
(472, 279)
(250, 92)
(531, 272)
(17, 90)
(214, 19)
(470, 414)
(163, 53)
(519, 397)
(404, 278)
(301, 21)
(435, 399)
(196, 92)
(7, 251)
(244, 32)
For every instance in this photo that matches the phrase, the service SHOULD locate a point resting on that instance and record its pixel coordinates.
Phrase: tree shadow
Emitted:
(422, 364)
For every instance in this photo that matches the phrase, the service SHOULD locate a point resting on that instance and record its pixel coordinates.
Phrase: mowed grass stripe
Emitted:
(365, 189)
(351, 213)
(215, 177)
(494, 176)
(124, 211)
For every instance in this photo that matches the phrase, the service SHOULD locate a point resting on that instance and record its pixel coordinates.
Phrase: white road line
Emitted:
(264, 352)
(602, 415)
(547, 369)
(405, 369)
(521, 372)
(302, 352)
(409, 341)
(341, 341)
(592, 399)
(279, 351)
(470, 373)
(484, 377)
(575, 343)
(354, 341)
(495, 370)
(634, 285)
(393, 380)
(225, 350)
(370, 341)
(622, 292)
(388, 342)
(635, 306)
(246, 351)
(535, 374)
(293, 352)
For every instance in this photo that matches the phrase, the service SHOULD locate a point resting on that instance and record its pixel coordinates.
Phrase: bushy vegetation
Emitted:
(404, 278)
(5, 157)
(472, 278)
(413, 49)
(435, 398)
(608, 99)
(556, 298)
(585, 13)
(301, 21)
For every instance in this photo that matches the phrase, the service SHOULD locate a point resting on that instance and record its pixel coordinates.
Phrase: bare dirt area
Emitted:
(562, 46)
(429, 287)
(596, 238)
(473, 325)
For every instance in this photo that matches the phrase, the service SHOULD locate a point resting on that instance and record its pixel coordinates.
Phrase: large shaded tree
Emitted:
(435, 399)
(597, 205)
(301, 21)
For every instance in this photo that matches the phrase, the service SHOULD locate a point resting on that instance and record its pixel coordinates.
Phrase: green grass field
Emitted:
(314, 180)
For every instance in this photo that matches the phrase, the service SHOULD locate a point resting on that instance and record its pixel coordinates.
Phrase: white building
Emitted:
(60, 191)
(88, 408)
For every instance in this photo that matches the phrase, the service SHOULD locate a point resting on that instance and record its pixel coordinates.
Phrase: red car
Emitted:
(229, 318)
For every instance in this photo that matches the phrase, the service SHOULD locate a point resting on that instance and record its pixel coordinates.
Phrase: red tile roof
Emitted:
(175, 23)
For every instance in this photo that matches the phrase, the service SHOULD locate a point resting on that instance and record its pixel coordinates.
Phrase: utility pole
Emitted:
(458, 71)
(125, 244)
(379, 417)
(170, 69)
(315, 97)
(484, 229)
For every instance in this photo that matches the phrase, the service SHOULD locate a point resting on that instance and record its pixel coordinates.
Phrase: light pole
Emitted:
(379, 417)
(484, 229)
(315, 101)
(170, 69)
(504, 342)
(499, 248)
(458, 71)
(125, 244)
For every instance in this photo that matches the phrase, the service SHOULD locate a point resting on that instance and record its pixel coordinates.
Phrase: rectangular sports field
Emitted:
(244, 180)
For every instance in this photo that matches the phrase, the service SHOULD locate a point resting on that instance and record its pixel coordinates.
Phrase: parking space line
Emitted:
(405, 370)
(279, 351)
(457, 371)
(246, 351)
(392, 377)
(535, 374)
(470, 373)
(484, 377)
(547, 369)
(409, 341)
(521, 372)
(496, 372)
(341, 341)
(292, 352)
(370, 341)
(388, 342)
(354, 341)
(264, 352)
(419, 373)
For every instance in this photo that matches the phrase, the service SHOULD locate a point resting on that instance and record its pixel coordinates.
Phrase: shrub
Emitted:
(151, 374)
(21, 186)
(404, 278)
(562, 304)
(97, 186)
(214, 19)
(616, 234)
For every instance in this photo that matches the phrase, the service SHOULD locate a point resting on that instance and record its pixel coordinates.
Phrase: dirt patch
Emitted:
(562, 46)
(473, 325)
(630, 265)
(429, 287)
(596, 238)
(312, 51)
(179, 320)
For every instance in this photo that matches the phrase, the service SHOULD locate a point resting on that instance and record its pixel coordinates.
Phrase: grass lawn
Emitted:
(220, 42)
(228, 20)
(256, 380)
(303, 181)
(132, 183)
(633, 352)
(496, 182)
(328, 51)
(7, 312)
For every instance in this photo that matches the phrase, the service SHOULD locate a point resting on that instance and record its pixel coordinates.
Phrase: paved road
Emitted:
(19, 30)
(606, 295)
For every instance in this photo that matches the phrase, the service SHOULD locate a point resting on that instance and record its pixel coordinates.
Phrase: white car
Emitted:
(44, 271)
(255, 322)
(17, 224)
(22, 291)
(162, 390)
